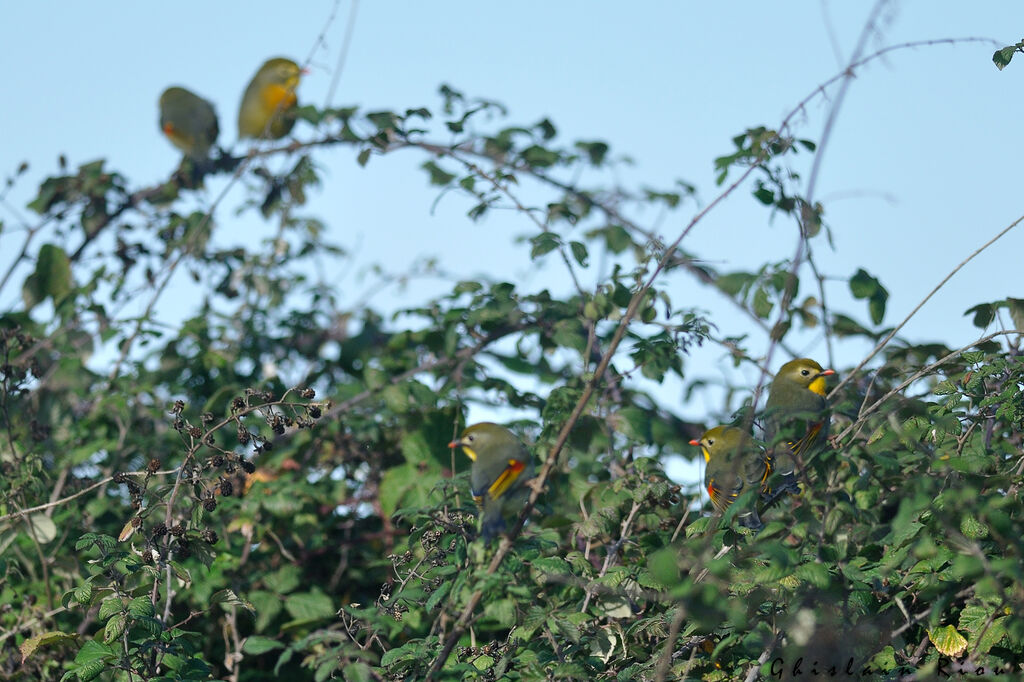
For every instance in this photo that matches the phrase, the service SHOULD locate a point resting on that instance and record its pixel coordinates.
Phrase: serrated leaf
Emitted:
(83, 594)
(115, 627)
(815, 574)
(109, 607)
(140, 607)
(972, 528)
(947, 640)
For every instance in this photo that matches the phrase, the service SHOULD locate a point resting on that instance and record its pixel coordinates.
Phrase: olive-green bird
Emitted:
(796, 419)
(501, 467)
(189, 122)
(734, 465)
(266, 111)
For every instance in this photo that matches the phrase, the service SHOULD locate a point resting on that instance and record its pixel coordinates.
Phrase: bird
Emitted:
(796, 417)
(189, 122)
(267, 106)
(501, 466)
(734, 464)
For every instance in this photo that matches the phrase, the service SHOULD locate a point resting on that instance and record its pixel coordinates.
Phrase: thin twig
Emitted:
(913, 312)
(865, 412)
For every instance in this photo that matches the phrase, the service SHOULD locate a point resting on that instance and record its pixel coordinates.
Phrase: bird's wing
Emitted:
(503, 482)
(720, 497)
(799, 447)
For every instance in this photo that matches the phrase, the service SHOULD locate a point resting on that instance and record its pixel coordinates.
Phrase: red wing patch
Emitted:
(506, 479)
(719, 499)
(801, 446)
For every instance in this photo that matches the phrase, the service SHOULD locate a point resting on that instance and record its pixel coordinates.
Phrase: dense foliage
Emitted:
(264, 489)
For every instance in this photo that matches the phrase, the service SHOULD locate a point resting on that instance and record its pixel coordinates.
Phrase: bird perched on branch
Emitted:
(735, 464)
(796, 417)
(189, 122)
(267, 108)
(499, 474)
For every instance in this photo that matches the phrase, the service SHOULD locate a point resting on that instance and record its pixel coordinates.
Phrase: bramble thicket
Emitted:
(264, 490)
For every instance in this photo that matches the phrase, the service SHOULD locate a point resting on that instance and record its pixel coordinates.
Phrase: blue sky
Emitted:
(921, 168)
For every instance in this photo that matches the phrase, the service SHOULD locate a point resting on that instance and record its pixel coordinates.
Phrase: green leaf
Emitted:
(115, 627)
(83, 593)
(307, 606)
(863, 285)
(551, 565)
(972, 528)
(109, 607)
(815, 574)
(876, 307)
(734, 282)
(51, 278)
(979, 622)
(762, 304)
(407, 485)
(140, 607)
(579, 252)
(1001, 58)
(984, 313)
(256, 645)
(229, 598)
(502, 611)
(1016, 306)
(664, 566)
(543, 243)
(357, 672)
(438, 176)
(409, 650)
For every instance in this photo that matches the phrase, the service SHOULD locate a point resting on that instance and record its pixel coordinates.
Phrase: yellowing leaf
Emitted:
(29, 646)
(948, 641)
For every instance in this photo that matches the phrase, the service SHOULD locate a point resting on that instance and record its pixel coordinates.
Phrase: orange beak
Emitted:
(454, 444)
(826, 372)
(695, 442)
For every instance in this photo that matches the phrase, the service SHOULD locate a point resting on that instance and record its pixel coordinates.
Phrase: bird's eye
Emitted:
(711, 441)
(471, 438)
(805, 372)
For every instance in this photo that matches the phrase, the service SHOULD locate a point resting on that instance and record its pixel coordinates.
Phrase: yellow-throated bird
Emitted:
(734, 465)
(188, 121)
(796, 416)
(266, 108)
(501, 467)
